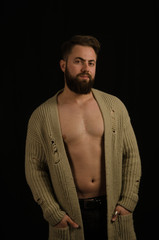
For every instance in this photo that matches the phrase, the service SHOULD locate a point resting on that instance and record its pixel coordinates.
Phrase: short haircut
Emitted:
(82, 40)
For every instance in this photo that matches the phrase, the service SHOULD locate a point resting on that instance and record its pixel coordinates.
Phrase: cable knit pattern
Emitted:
(49, 175)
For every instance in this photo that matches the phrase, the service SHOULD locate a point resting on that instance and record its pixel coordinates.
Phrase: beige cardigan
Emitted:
(49, 175)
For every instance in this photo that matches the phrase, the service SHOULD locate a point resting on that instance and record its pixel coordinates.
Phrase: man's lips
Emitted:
(84, 76)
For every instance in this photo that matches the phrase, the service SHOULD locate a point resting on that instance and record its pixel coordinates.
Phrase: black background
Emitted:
(32, 33)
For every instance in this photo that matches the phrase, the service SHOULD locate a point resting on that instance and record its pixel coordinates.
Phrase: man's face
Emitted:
(80, 68)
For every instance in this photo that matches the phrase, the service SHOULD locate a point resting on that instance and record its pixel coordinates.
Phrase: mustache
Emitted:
(84, 74)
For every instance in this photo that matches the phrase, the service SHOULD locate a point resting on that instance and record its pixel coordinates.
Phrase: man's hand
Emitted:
(119, 210)
(65, 222)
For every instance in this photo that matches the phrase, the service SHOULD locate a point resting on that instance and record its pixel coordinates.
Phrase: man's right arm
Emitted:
(37, 177)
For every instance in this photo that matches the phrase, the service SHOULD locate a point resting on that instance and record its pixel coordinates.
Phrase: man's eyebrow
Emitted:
(83, 60)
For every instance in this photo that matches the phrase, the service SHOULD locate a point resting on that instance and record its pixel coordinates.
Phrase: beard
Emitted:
(77, 85)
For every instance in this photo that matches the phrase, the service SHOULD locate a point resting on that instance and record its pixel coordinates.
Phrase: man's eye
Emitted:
(77, 61)
(91, 64)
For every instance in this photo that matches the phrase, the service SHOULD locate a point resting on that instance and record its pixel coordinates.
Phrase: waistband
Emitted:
(93, 203)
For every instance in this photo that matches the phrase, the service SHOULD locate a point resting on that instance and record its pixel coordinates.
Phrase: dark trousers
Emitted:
(94, 216)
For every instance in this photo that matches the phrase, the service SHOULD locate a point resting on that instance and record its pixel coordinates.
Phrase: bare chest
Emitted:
(77, 122)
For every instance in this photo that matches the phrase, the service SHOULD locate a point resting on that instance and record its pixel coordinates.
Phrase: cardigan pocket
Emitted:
(59, 233)
(125, 227)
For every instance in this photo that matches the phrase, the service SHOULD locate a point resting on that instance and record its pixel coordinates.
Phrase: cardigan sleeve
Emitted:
(37, 175)
(131, 167)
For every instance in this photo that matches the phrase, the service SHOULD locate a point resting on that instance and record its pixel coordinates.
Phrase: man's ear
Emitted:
(63, 65)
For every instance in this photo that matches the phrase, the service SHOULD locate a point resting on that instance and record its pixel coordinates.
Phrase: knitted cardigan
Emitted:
(50, 178)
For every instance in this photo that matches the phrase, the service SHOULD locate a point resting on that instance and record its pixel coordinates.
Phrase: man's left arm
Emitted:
(131, 169)
(131, 173)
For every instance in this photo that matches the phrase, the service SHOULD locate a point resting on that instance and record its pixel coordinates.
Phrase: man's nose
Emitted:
(85, 67)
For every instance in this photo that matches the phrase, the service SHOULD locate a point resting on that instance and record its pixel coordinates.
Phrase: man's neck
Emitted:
(68, 96)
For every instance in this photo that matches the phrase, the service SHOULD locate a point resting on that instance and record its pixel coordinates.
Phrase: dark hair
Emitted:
(79, 40)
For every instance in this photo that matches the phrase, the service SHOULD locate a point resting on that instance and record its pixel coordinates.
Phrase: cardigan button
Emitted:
(57, 158)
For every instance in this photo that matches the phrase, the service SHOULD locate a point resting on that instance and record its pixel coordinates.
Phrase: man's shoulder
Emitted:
(44, 108)
(109, 98)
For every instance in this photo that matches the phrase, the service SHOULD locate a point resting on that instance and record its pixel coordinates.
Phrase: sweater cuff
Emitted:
(127, 203)
(52, 215)
(53, 220)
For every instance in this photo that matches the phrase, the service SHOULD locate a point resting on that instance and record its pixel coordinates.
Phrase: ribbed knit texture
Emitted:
(50, 178)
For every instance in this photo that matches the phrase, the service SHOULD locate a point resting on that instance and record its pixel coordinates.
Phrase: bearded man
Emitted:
(82, 159)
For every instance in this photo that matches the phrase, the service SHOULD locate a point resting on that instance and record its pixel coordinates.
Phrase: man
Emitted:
(82, 159)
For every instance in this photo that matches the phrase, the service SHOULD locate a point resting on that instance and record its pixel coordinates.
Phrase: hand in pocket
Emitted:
(119, 210)
(65, 222)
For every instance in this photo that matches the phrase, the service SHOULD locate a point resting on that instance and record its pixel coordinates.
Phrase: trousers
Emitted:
(94, 216)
